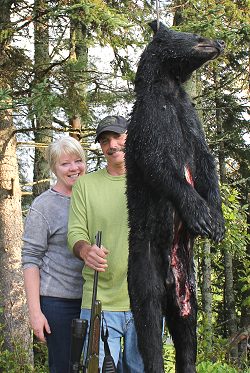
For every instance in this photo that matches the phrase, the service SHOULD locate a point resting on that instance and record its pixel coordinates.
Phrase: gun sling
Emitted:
(108, 362)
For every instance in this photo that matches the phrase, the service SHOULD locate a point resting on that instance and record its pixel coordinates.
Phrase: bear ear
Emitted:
(153, 26)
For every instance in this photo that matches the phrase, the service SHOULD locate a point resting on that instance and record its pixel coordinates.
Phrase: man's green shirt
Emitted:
(98, 203)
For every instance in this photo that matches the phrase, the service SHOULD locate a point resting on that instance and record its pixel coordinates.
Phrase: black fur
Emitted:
(166, 211)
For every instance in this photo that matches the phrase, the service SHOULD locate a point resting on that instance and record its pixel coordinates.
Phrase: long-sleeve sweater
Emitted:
(45, 246)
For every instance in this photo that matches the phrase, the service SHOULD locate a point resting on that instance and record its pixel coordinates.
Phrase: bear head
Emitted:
(176, 54)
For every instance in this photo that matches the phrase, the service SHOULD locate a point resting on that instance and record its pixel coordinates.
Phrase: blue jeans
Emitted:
(120, 326)
(59, 313)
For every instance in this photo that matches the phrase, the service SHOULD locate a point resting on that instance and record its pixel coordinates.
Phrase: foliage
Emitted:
(5, 99)
(213, 338)
(40, 358)
(208, 367)
(105, 23)
(217, 351)
(17, 360)
(215, 365)
(235, 242)
(168, 355)
(235, 215)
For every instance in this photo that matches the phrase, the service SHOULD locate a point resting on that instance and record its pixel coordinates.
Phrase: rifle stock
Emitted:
(92, 360)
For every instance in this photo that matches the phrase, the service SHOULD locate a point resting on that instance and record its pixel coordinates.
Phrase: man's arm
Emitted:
(93, 256)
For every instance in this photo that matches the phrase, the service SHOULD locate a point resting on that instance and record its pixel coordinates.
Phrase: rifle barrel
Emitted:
(92, 360)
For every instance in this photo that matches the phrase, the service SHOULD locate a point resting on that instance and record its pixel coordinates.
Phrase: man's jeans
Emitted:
(120, 326)
(59, 312)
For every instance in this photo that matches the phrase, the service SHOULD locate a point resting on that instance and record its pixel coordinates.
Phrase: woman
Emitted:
(52, 275)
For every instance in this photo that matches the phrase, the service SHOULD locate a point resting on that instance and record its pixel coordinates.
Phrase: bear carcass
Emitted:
(173, 195)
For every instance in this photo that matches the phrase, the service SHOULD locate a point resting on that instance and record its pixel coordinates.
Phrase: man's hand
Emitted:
(93, 256)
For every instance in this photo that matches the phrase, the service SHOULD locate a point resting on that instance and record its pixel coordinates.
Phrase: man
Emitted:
(98, 203)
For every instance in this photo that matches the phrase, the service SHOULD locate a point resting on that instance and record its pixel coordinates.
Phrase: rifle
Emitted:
(92, 359)
(78, 335)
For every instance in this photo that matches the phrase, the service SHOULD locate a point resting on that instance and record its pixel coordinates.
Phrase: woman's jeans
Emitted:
(59, 312)
(120, 327)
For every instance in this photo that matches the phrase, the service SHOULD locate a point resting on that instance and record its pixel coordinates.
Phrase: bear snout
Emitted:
(221, 44)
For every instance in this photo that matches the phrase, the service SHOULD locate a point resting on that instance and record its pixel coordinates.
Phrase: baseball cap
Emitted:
(113, 123)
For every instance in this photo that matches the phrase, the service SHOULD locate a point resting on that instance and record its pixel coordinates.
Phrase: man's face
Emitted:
(113, 145)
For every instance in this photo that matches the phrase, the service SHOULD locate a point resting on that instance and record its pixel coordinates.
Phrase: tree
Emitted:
(13, 315)
(41, 121)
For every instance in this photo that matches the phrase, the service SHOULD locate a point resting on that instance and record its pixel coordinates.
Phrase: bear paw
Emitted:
(218, 226)
(198, 219)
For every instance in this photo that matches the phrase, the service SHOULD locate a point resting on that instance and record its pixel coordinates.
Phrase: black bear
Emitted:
(173, 195)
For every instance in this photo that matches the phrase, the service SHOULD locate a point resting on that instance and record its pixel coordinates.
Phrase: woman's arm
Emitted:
(38, 321)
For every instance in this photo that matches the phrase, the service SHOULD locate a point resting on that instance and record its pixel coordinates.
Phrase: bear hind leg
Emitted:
(146, 295)
(183, 332)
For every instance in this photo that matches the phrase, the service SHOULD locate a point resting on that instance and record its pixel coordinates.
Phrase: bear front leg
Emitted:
(146, 293)
(207, 185)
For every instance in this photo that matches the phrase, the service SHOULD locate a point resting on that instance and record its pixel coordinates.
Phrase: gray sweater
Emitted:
(45, 246)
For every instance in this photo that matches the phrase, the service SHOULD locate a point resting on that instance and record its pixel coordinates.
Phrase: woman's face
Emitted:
(67, 169)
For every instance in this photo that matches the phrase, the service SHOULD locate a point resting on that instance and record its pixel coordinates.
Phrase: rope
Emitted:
(157, 14)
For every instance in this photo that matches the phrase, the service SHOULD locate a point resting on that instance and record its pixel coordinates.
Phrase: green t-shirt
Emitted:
(98, 203)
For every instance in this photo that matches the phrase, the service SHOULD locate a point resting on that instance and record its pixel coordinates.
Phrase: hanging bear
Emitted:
(173, 195)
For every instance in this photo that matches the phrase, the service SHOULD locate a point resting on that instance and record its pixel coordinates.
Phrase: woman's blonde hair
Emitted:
(64, 145)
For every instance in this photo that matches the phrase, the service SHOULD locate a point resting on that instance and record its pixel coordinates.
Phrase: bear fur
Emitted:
(173, 195)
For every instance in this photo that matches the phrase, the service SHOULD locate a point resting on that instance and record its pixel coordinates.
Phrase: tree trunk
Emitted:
(42, 122)
(12, 297)
(228, 258)
(230, 301)
(13, 311)
(207, 297)
(245, 309)
(76, 88)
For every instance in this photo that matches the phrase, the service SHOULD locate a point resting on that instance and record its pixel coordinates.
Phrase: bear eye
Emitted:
(198, 38)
